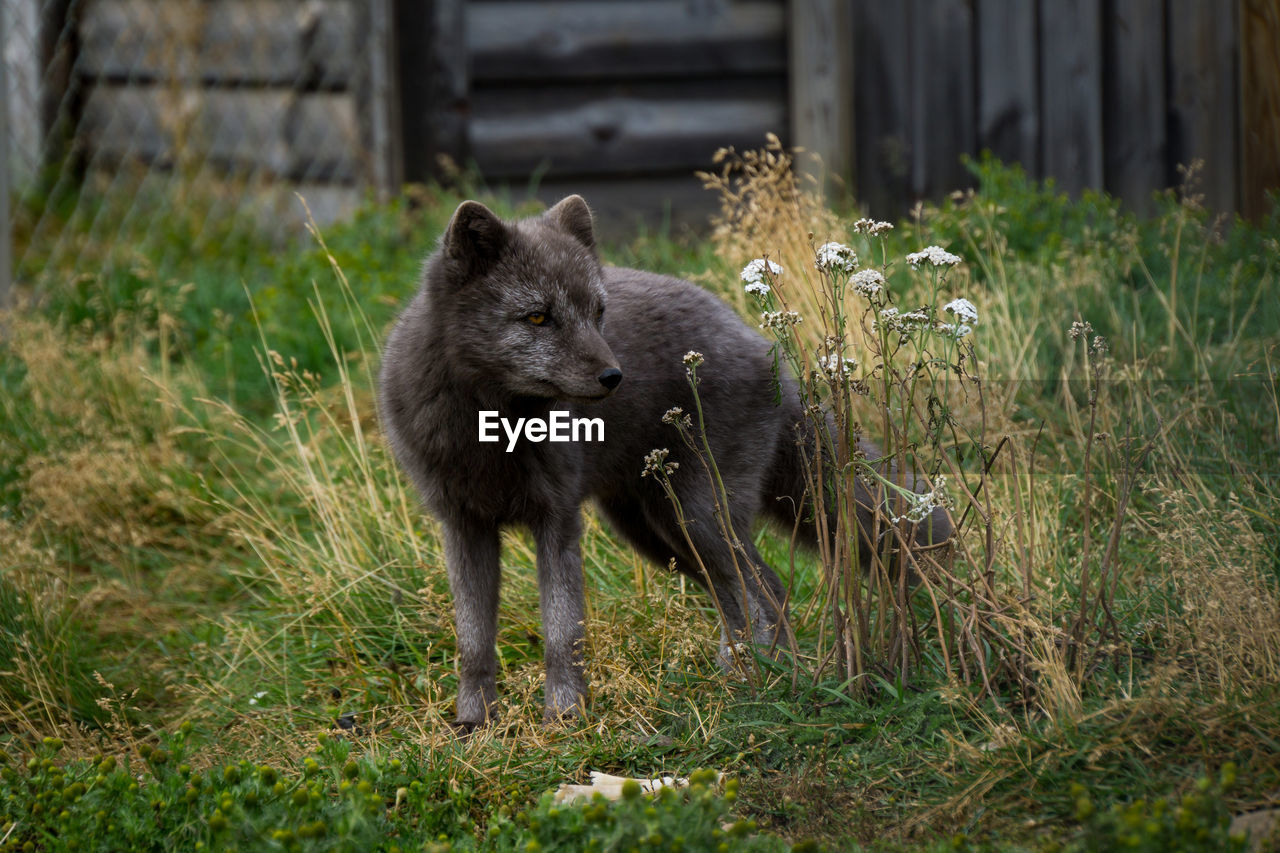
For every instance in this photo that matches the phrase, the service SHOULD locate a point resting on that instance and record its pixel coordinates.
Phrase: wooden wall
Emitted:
(276, 92)
(1113, 94)
(1260, 103)
(624, 99)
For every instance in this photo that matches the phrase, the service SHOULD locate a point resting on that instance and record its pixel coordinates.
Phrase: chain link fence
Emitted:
(168, 128)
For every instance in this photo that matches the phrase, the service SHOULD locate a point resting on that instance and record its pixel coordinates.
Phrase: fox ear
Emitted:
(475, 237)
(573, 216)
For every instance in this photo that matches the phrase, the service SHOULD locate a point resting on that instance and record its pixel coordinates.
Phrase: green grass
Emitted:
(206, 551)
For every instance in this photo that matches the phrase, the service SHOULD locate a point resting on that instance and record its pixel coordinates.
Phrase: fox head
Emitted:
(522, 305)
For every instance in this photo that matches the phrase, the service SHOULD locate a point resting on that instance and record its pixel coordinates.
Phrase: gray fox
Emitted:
(519, 322)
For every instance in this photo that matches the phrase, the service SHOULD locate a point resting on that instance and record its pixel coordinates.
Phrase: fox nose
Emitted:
(610, 378)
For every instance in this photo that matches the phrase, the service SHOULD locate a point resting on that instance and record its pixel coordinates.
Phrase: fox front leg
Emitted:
(471, 555)
(560, 598)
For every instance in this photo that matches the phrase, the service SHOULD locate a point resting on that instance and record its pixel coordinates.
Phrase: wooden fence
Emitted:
(621, 101)
(1108, 94)
(1113, 94)
(278, 95)
(624, 99)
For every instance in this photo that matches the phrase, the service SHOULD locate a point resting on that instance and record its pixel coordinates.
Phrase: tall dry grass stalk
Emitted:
(102, 491)
(879, 356)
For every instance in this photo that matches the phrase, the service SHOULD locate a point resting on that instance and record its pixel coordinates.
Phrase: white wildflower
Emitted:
(260, 694)
(867, 282)
(779, 319)
(899, 321)
(754, 275)
(872, 227)
(954, 330)
(836, 368)
(1080, 329)
(964, 310)
(655, 463)
(676, 417)
(836, 258)
(935, 255)
(692, 358)
(920, 507)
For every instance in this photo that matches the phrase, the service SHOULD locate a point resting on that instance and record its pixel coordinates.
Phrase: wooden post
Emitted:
(1260, 105)
(1135, 102)
(59, 93)
(1008, 101)
(821, 68)
(378, 96)
(1071, 92)
(1204, 86)
(882, 92)
(942, 97)
(6, 227)
(434, 85)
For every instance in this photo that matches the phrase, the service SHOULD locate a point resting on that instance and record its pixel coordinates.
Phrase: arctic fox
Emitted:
(522, 320)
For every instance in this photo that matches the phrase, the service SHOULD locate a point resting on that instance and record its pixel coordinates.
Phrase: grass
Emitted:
(206, 551)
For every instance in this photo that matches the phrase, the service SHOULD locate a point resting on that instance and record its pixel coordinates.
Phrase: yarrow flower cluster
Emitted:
(753, 274)
(871, 227)
(675, 416)
(836, 258)
(935, 255)
(836, 368)
(655, 463)
(692, 359)
(920, 507)
(966, 317)
(779, 319)
(1080, 329)
(900, 321)
(867, 282)
(1083, 329)
(964, 310)
(954, 330)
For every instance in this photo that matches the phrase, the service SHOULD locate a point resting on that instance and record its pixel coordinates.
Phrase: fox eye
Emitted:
(537, 318)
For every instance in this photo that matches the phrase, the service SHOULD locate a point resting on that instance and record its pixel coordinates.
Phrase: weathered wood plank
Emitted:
(376, 96)
(576, 132)
(675, 202)
(520, 40)
(1134, 102)
(943, 96)
(328, 203)
(1071, 92)
(434, 86)
(821, 78)
(219, 41)
(20, 20)
(310, 136)
(882, 92)
(1008, 99)
(60, 89)
(1203, 92)
(6, 234)
(1260, 105)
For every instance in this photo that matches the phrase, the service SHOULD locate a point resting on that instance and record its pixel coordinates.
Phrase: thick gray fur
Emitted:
(465, 343)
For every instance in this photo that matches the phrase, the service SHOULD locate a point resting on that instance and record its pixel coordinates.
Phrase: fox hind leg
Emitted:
(749, 595)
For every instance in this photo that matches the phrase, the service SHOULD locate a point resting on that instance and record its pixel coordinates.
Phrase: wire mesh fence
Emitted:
(167, 128)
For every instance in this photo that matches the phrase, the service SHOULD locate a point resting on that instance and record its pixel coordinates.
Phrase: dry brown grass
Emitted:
(1228, 630)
